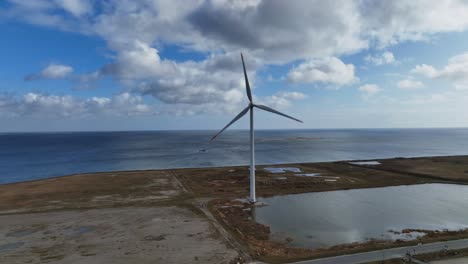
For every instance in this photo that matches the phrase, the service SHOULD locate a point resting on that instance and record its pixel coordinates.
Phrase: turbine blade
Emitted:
(247, 85)
(266, 108)
(241, 114)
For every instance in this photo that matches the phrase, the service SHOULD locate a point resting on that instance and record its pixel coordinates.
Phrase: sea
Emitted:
(32, 156)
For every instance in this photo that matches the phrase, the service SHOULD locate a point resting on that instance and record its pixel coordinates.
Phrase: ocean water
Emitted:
(29, 156)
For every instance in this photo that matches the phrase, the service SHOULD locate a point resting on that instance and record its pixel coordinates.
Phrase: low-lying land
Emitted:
(165, 234)
(121, 217)
(94, 190)
(453, 168)
(161, 216)
(234, 181)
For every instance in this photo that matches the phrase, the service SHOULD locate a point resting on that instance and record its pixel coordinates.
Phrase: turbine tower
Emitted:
(250, 108)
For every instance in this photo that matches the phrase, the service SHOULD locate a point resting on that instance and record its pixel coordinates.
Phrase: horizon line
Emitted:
(215, 129)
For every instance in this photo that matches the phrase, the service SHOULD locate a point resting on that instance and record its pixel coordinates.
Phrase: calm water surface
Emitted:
(28, 156)
(330, 218)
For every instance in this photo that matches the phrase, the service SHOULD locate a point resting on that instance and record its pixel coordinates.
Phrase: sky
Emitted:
(92, 65)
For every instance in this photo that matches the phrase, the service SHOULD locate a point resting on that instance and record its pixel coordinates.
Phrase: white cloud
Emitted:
(369, 89)
(391, 22)
(137, 61)
(39, 5)
(456, 71)
(209, 81)
(315, 32)
(292, 95)
(385, 58)
(53, 71)
(279, 100)
(329, 71)
(43, 105)
(56, 71)
(410, 84)
(282, 100)
(44, 13)
(308, 29)
(425, 70)
(75, 7)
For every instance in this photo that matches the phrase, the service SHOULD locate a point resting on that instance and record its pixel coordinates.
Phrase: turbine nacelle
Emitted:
(251, 105)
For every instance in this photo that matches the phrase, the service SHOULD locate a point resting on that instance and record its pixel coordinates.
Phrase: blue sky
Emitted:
(70, 65)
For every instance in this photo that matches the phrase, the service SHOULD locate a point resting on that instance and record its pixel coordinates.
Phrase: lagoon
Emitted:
(324, 219)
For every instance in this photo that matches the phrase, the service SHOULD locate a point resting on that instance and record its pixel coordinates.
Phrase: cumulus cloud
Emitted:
(44, 105)
(391, 22)
(306, 28)
(75, 7)
(315, 33)
(385, 58)
(283, 99)
(369, 89)
(279, 100)
(329, 71)
(218, 79)
(425, 70)
(292, 95)
(456, 71)
(410, 84)
(137, 61)
(63, 14)
(53, 71)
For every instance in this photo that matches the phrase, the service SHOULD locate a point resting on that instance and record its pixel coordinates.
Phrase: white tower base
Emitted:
(252, 159)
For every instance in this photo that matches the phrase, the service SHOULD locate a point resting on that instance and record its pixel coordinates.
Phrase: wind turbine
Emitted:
(250, 108)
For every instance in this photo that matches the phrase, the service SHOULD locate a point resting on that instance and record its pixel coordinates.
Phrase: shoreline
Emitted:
(194, 191)
(231, 166)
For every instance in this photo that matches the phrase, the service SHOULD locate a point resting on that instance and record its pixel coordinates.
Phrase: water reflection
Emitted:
(330, 218)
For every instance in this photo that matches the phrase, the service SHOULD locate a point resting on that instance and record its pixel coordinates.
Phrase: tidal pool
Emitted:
(282, 169)
(325, 219)
(315, 174)
(371, 162)
(10, 246)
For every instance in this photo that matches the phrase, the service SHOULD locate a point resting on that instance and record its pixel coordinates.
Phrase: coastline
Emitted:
(185, 194)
